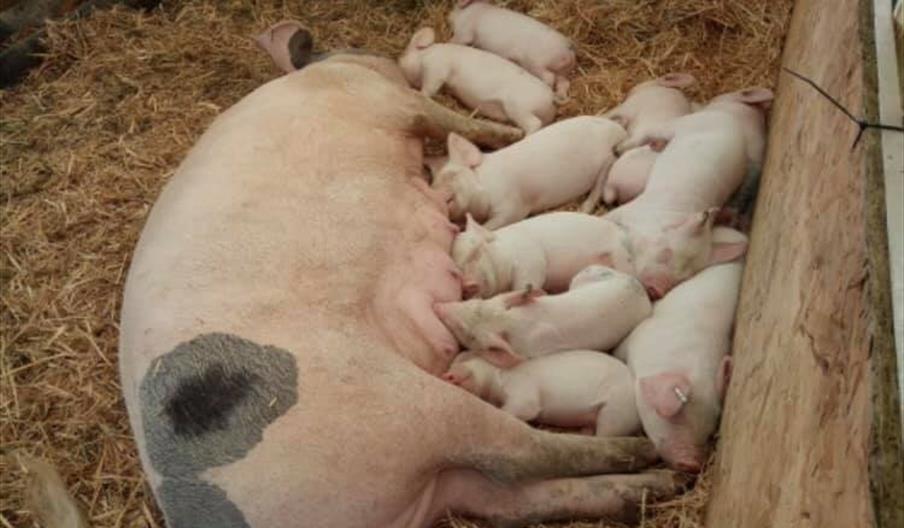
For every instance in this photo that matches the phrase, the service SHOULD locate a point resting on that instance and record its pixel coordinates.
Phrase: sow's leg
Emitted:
(500, 469)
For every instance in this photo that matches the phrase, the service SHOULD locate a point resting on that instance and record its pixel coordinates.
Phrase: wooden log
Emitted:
(811, 433)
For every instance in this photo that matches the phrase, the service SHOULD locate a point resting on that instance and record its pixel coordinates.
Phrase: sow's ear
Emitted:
(666, 392)
(288, 43)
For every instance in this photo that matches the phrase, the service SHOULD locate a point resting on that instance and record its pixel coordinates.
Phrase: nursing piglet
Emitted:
(628, 175)
(600, 308)
(556, 165)
(544, 251)
(576, 388)
(749, 106)
(487, 83)
(648, 105)
(679, 358)
(537, 47)
(652, 103)
(671, 222)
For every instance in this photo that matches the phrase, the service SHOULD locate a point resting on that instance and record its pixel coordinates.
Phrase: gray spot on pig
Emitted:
(196, 504)
(206, 403)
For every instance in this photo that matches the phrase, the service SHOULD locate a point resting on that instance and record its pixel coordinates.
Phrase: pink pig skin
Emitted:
(487, 83)
(653, 103)
(671, 221)
(278, 356)
(575, 388)
(679, 357)
(544, 251)
(599, 309)
(541, 50)
(628, 175)
(562, 162)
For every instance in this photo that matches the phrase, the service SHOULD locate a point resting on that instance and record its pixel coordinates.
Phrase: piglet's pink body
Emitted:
(576, 388)
(482, 81)
(544, 251)
(679, 358)
(600, 308)
(537, 47)
(558, 164)
(629, 174)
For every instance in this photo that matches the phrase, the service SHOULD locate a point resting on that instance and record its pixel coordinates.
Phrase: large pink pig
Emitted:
(537, 47)
(482, 81)
(544, 251)
(557, 165)
(278, 356)
(679, 358)
(575, 388)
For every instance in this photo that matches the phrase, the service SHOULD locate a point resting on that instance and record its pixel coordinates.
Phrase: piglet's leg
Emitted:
(656, 139)
(593, 199)
(562, 84)
(613, 496)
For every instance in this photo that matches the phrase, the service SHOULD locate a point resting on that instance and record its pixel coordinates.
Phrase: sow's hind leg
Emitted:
(505, 471)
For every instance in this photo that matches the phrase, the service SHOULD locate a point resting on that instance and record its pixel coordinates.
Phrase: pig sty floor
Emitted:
(89, 138)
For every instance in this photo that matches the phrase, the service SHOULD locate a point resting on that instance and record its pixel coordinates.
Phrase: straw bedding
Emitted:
(87, 141)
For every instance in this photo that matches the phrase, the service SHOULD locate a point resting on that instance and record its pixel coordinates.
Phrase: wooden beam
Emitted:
(809, 399)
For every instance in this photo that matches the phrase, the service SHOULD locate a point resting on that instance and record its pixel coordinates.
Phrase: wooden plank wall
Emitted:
(798, 440)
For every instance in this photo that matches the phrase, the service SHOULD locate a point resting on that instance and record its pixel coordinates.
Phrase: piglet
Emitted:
(628, 175)
(556, 165)
(703, 162)
(575, 388)
(600, 308)
(537, 47)
(749, 106)
(653, 103)
(487, 83)
(544, 251)
(679, 358)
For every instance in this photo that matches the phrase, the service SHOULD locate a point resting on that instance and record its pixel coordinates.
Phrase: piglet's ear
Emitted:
(676, 80)
(423, 38)
(756, 96)
(666, 392)
(723, 377)
(473, 226)
(728, 245)
(521, 298)
(462, 151)
(499, 352)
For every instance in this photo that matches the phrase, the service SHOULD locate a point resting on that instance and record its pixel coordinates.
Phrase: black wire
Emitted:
(861, 123)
